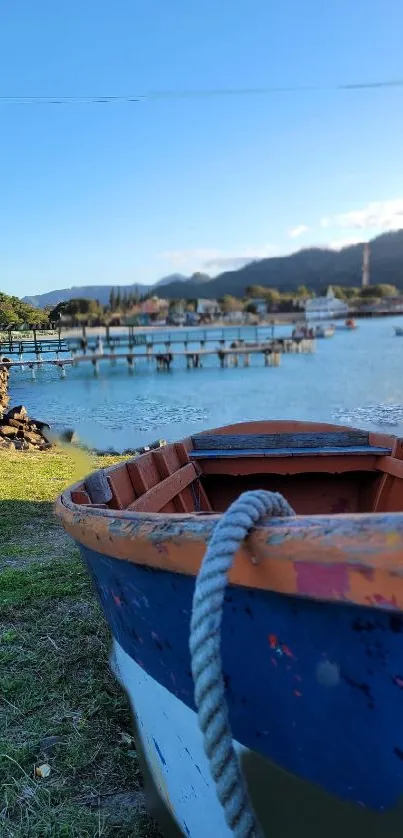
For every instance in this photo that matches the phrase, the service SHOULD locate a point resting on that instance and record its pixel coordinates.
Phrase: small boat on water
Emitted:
(348, 324)
(399, 331)
(312, 332)
(312, 615)
(324, 331)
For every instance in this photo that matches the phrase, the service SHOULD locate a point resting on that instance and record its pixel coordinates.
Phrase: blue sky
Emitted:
(121, 193)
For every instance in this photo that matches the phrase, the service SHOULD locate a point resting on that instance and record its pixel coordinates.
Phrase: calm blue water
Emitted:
(355, 377)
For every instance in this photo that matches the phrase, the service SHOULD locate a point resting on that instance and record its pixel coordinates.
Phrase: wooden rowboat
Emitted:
(312, 634)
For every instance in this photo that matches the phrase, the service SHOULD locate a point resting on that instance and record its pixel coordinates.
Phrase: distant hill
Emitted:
(314, 267)
(102, 292)
(91, 292)
(167, 280)
(96, 292)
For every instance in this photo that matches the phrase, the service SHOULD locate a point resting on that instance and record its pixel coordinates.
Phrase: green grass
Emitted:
(54, 675)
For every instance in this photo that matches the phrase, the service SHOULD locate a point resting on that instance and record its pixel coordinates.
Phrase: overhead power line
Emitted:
(195, 94)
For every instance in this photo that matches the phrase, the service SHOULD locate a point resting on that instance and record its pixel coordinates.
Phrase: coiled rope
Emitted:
(205, 649)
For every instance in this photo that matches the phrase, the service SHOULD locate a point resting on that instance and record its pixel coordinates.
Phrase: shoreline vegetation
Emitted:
(261, 304)
(68, 762)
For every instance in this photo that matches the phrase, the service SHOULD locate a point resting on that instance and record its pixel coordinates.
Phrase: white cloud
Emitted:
(213, 261)
(378, 215)
(298, 231)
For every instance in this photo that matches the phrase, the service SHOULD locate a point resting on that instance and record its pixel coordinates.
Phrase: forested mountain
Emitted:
(315, 267)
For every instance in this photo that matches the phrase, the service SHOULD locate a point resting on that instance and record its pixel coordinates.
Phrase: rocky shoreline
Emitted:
(17, 430)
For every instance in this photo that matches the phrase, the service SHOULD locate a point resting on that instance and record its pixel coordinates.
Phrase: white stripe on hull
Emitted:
(173, 746)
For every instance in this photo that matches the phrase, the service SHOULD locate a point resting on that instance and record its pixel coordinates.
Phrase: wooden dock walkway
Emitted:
(270, 351)
(226, 357)
(133, 340)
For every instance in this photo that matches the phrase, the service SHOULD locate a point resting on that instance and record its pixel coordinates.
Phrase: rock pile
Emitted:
(17, 430)
(4, 376)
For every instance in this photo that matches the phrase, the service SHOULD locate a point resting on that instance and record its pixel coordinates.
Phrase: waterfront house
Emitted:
(152, 311)
(325, 308)
(208, 308)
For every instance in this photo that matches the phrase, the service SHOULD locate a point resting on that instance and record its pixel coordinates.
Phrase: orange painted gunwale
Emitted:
(357, 558)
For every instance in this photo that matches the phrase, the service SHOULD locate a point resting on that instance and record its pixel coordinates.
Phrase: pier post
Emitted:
(113, 359)
(32, 368)
(246, 359)
(271, 358)
(149, 350)
(223, 358)
(62, 371)
(130, 363)
(95, 365)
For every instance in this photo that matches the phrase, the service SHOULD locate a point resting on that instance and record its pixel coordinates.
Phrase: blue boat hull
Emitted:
(315, 688)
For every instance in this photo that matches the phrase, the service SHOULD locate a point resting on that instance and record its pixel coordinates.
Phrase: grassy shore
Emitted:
(59, 705)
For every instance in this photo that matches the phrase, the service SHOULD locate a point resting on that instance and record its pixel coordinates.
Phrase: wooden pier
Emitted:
(164, 361)
(193, 340)
(239, 352)
(42, 346)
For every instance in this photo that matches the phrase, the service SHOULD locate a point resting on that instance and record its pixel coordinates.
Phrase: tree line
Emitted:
(15, 313)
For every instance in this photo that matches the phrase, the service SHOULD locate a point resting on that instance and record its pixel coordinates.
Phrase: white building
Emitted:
(208, 307)
(325, 308)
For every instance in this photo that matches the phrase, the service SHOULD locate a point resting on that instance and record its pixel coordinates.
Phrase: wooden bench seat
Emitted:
(209, 446)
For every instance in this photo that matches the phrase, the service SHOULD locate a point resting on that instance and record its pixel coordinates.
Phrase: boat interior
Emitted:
(319, 469)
